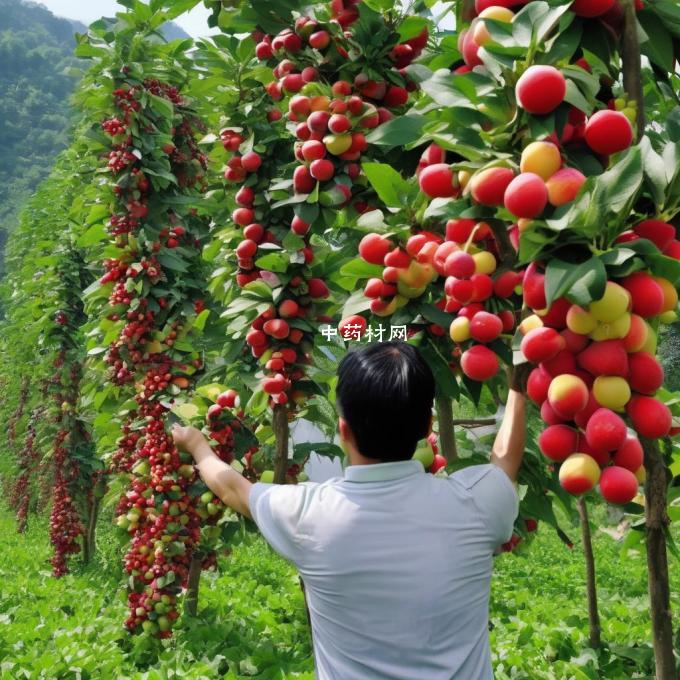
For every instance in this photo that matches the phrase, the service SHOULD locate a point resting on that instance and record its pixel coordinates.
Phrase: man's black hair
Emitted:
(385, 393)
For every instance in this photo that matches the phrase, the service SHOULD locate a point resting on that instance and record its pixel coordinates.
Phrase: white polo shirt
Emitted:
(397, 566)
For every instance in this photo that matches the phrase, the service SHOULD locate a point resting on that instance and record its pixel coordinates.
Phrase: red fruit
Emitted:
(395, 96)
(322, 169)
(673, 250)
(227, 399)
(460, 290)
(591, 8)
(618, 485)
(352, 327)
(246, 249)
(508, 320)
(292, 82)
(479, 363)
(275, 384)
(253, 232)
(338, 123)
(558, 442)
(575, 342)
(438, 463)
(482, 287)
(630, 455)
(557, 314)
(319, 40)
(651, 418)
(541, 344)
(397, 258)
(251, 161)
(608, 132)
(488, 186)
(647, 294)
(568, 395)
(661, 234)
(303, 182)
(256, 338)
(549, 416)
(526, 196)
(645, 373)
(504, 284)
(459, 230)
(374, 247)
(313, 150)
(459, 264)
(318, 121)
(299, 226)
(564, 362)
(470, 50)
(607, 357)
(438, 181)
(606, 431)
(289, 309)
(277, 328)
(485, 327)
(317, 288)
(541, 89)
(263, 51)
(243, 216)
(245, 197)
(582, 417)
(538, 384)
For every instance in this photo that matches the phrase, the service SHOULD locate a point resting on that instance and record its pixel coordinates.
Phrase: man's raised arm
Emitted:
(508, 449)
(228, 485)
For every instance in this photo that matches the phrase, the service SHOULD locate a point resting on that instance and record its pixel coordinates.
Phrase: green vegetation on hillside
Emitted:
(35, 86)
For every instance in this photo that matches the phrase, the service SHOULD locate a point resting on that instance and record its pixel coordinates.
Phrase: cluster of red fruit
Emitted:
(27, 460)
(281, 347)
(596, 365)
(610, 12)
(66, 528)
(158, 512)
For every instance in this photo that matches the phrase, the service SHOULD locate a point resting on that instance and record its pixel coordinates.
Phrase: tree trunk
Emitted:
(281, 434)
(631, 63)
(89, 537)
(656, 516)
(193, 583)
(591, 585)
(657, 522)
(447, 435)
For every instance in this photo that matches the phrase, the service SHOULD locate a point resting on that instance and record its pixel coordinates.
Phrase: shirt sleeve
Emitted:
(495, 499)
(278, 510)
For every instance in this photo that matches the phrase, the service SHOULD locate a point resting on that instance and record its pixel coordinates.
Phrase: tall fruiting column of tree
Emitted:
(152, 291)
(71, 451)
(278, 219)
(593, 215)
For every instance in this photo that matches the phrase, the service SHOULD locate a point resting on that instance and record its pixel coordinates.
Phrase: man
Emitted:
(396, 562)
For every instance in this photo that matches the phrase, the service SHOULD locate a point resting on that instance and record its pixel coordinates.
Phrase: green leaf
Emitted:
(95, 234)
(656, 42)
(274, 262)
(390, 186)
(411, 26)
(580, 282)
(654, 171)
(399, 131)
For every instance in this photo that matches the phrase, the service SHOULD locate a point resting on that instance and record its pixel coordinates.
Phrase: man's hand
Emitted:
(518, 376)
(508, 449)
(228, 485)
(188, 439)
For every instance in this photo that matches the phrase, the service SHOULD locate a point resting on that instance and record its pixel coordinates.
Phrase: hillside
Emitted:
(37, 75)
(35, 55)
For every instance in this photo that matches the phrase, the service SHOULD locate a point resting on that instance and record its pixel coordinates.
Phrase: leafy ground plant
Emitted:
(252, 621)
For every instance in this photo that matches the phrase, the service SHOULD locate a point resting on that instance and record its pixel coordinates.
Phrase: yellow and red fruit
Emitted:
(579, 474)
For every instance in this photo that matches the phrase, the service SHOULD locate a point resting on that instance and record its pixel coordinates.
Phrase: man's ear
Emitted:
(344, 430)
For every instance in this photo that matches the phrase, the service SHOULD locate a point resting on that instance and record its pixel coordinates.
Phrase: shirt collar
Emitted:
(383, 472)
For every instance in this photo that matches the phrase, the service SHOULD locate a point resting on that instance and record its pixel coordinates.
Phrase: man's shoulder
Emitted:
(473, 476)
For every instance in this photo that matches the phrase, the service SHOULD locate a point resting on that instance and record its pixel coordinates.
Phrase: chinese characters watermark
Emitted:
(359, 333)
